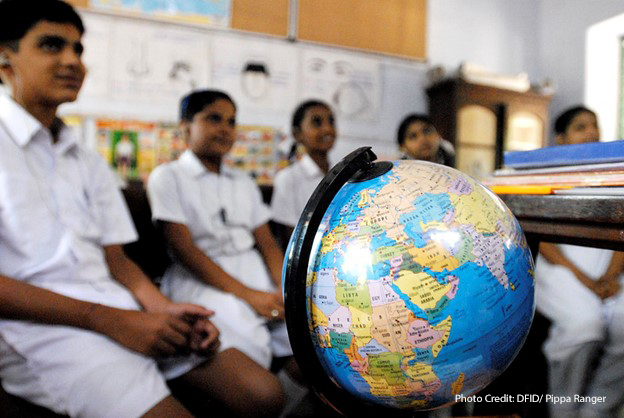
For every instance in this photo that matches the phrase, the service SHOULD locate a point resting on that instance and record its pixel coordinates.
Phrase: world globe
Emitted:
(407, 285)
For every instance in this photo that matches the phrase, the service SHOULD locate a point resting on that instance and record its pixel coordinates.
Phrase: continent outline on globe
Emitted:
(396, 257)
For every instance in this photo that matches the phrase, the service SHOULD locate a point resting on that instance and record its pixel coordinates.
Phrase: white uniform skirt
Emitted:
(240, 326)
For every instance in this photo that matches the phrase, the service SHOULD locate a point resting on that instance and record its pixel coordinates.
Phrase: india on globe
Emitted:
(406, 283)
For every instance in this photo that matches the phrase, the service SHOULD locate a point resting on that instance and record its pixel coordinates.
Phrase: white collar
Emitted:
(310, 168)
(22, 127)
(193, 165)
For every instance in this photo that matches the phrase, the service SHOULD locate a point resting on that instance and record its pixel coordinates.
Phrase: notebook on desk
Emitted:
(566, 155)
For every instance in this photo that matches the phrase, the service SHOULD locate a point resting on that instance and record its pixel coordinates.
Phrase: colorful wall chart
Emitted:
(211, 12)
(135, 148)
(256, 152)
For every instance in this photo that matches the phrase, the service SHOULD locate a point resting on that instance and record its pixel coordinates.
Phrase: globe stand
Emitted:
(356, 167)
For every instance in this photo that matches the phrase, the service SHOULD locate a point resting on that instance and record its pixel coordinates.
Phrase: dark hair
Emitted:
(407, 121)
(301, 111)
(17, 17)
(196, 101)
(563, 120)
(256, 67)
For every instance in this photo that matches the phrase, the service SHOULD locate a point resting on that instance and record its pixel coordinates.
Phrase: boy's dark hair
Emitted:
(196, 101)
(409, 119)
(301, 110)
(563, 120)
(17, 17)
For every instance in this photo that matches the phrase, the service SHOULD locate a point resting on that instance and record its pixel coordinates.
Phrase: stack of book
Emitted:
(589, 168)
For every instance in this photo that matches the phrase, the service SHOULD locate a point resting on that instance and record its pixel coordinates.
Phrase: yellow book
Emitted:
(523, 189)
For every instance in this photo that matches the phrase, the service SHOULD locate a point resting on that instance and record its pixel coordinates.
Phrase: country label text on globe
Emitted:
(419, 287)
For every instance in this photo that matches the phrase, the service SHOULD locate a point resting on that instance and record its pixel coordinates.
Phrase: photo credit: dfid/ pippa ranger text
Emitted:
(530, 398)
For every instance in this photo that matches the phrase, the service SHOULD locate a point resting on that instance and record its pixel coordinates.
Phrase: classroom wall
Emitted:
(457, 31)
(561, 55)
(394, 86)
(545, 38)
(500, 35)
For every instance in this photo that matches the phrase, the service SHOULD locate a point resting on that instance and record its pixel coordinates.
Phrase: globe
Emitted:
(408, 285)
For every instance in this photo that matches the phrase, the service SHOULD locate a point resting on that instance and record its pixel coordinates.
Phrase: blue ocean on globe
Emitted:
(419, 287)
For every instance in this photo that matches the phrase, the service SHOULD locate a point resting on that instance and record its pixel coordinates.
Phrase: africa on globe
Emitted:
(418, 287)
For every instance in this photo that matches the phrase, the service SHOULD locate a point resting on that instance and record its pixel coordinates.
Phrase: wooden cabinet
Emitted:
(483, 122)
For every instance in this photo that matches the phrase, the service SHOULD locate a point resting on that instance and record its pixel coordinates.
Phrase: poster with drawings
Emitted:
(260, 75)
(156, 63)
(350, 83)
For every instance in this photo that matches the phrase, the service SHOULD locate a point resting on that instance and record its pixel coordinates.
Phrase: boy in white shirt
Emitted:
(83, 328)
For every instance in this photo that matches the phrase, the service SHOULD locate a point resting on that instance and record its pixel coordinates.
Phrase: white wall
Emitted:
(602, 66)
(497, 34)
(563, 26)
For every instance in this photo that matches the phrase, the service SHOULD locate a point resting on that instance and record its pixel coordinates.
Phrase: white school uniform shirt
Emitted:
(221, 212)
(58, 206)
(292, 188)
(562, 298)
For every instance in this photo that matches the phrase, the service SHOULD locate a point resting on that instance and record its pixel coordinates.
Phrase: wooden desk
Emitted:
(593, 221)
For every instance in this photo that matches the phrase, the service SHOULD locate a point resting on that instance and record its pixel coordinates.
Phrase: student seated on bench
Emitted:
(579, 290)
(83, 331)
(216, 225)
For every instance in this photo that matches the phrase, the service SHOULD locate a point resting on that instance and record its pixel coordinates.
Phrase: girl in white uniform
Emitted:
(314, 127)
(579, 290)
(215, 223)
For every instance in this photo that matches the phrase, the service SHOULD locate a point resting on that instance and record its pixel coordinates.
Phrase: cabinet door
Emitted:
(476, 140)
(525, 131)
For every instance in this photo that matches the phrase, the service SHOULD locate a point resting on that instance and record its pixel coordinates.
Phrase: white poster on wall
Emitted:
(260, 75)
(350, 83)
(156, 63)
(97, 55)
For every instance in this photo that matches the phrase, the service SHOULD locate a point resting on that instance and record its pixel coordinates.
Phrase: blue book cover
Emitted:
(574, 154)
